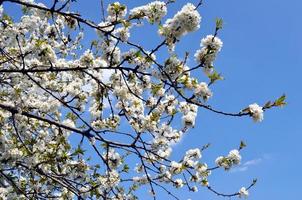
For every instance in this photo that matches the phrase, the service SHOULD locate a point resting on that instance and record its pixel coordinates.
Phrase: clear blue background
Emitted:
(260, 60)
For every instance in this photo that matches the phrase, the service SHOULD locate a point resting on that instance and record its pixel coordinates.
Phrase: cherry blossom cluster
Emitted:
(186, 20)
(153, 11)
(210, 46)
(233, 158)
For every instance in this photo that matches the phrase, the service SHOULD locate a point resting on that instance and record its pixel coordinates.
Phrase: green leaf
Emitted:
(155, 88)
(194, 82)
(281, 101)
(204, 182)
(219, 23)
(160, 27)
(39, 43)
(104, 145)
(126, 168)
(214, 77)
(242, 145)
(126, 24)
(94, 43)
(71, 116)
(138, 54)
(122, 7)
(79, 150)
(134, 187)
(7, 18)
(154, 116)
(116, 7)
(25, 10)
(174, 112)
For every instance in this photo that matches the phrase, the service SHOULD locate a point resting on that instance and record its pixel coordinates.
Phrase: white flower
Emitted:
(4, 192)
(189, 163)
(138, 168)
(243, 193)
(194, 189)
(160, 92)
(84, 192)
(194, 153)
(219, 161)
(189, 119)
(87, 59)
(203, 91)
(105, 26)
(213, 43)
(186, 20)
(178, 183)
(15, 153)
(202, 170)
(167, 176)
(176, 167)
(140, 180)
(210, 46)
(153, 11)
(111, 179)
(121, 92)
(184, 107)
(116, 11)
(164, 153)
(111, 52)
(224, 162)
(234, 156)
(69, 123)
(122, 33)
(173, 68)
(162, 168)
(227, 162)
(256, 112)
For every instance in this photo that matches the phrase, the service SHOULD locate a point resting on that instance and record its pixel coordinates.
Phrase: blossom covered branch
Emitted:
(115, 98)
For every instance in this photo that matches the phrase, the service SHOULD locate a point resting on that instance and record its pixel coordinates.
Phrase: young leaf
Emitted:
(215, 77)
(219, 23)
(281, 101)
(242, 145)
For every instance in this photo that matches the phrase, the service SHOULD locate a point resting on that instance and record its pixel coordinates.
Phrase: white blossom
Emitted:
(234, 156)
(194, 189)
(211, 42)
(186, 20)
(189, 119)
(256, 112)
(210, 46)
(176, 167)
(122, 33)
(193, 153)
(153, 11)
(203, 91)
(178, 183)
(229, 161)
(243, 193)
(116, 11)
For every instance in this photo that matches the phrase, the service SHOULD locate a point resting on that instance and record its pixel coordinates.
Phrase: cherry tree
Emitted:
(123, 103)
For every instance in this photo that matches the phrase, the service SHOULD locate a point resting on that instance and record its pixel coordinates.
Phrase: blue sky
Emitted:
(260, 60)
